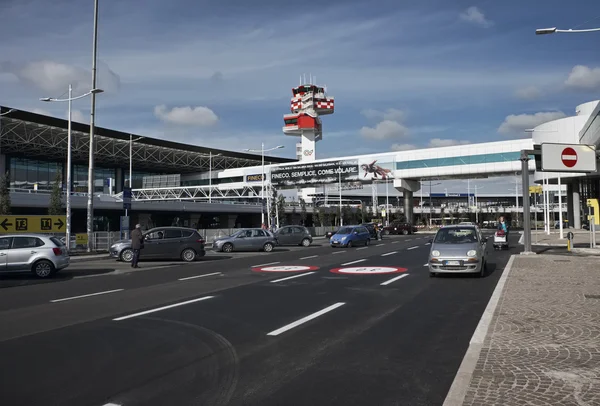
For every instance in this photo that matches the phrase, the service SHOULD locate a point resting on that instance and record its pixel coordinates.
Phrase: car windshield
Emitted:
(344, 230)
(456, 235)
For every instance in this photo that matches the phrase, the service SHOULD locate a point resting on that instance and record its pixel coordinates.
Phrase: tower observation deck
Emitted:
(308, 103)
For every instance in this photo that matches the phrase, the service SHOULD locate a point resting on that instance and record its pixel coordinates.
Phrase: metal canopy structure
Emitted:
(38, 136)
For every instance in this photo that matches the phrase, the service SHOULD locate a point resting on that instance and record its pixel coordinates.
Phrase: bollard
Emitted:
(569, 239)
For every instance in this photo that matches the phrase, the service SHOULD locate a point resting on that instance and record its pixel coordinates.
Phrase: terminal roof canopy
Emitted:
(34, 135)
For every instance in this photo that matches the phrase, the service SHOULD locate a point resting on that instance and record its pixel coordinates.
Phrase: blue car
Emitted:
(349, 236)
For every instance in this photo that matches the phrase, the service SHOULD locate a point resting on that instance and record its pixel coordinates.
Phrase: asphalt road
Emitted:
(218, 332)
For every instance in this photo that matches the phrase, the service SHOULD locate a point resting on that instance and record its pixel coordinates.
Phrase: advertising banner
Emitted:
(377, 169)
(315, 173)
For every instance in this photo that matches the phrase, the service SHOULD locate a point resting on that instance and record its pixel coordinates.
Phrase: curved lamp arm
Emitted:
(543, 31)
(264, 150)
(8, 112)
(52, 99)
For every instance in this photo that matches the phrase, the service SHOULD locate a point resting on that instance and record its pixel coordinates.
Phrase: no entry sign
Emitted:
(568, 158)
(285, 268)
(368, 270)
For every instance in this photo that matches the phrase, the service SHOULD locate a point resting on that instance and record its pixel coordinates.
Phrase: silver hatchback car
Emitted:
(458, 249)
(40, 254)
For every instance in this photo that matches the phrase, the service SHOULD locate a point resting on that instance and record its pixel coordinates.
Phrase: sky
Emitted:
(219, 74)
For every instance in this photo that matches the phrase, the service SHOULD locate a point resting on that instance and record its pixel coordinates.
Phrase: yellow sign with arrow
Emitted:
(33, 224)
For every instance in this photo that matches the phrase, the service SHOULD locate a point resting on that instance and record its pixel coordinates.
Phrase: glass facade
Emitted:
(80, 178)
(459, 160)
(30, 174)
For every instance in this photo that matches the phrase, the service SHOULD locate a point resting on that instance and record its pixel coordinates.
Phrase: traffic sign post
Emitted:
(127, 199)
(33, 224)
(568, 158)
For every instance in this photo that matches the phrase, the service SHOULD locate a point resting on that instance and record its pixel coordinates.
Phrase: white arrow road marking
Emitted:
(394, 279)
(292, 277)
(305, 319)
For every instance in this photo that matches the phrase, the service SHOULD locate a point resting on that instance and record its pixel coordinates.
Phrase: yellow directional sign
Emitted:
(535, 190)
(33, 224)
(81, 239)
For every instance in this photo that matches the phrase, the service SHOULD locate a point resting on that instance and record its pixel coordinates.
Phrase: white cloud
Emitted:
(528, 93)
(516, 124)
(42, 112)
(385, 130)
(440, 142)
(475, 16)
(54, 77)
(193, 116)
(389, 114)
(77, 115)
(403, 147)
(583, 77)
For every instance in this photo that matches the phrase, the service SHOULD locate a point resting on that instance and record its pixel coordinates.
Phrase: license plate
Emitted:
(452, 263)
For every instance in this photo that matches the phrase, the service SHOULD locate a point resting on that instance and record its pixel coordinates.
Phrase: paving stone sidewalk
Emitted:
(543, 343)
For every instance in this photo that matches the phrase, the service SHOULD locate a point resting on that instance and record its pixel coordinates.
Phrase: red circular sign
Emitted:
(368, 270)
(569, 157)
(285, 268)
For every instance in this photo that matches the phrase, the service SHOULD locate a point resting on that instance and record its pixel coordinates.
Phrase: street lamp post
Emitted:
(210, 157)
(262, 158)
(131, 141)
(70, 100)
(430, 203)
(91, 182)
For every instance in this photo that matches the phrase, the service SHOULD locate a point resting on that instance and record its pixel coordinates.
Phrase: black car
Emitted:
(293, 235)
(371, 228)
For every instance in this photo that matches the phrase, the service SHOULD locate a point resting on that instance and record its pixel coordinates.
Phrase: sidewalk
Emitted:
(538, 342)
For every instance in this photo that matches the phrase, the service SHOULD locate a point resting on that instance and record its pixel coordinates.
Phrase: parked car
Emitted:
(399, 228)
(164, 243)
(293, 235)
(458, 249)
(249, 239)
(40, 254)
(350, 235)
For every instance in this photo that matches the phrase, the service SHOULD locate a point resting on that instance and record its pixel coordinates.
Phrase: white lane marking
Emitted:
(305, 319)
(363, 248)
(162, 308)
(339, 252)
(312, 256)
(354, 262)
(394, 279)
(81, 296)
(111, 404)
(409, 239)
(395, 242)
(379, 245)
(389, 253)
(428, 243)
(413, 248)
(98, 274)
(292, 277)
(270, 263)
(199, 276)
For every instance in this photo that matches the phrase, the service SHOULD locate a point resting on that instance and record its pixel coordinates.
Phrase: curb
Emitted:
(460, 385)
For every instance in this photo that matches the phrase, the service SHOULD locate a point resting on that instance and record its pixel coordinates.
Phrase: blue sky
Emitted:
(219, 74)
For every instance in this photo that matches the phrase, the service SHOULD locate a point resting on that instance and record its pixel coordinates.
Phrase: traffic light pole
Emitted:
(525, 154)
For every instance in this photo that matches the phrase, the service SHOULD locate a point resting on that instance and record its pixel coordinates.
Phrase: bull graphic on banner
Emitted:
(373, 169)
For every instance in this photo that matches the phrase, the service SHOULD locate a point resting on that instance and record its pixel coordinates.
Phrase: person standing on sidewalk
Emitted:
(137, 243)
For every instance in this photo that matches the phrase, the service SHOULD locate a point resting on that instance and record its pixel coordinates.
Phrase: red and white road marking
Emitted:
(569, 157)
(368, 270)
(285, 268)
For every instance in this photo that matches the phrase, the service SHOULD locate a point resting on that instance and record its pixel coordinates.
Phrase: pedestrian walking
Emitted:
(137, 243)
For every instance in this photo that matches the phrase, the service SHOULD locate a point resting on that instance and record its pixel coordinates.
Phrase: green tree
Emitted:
(55, 208)
(273, 205)
(281, 210)
(303, 211)
(347, 214)
(316, 218)
(4, 194)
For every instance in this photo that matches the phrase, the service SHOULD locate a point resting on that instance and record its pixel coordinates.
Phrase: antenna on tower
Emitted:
(305, 78)
(311, 82)
(300, 81)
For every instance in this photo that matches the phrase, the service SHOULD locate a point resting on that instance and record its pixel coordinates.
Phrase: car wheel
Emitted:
(349, 245)
(386, 232)
(305, 242)
(268, 247)
(43, 268)
(404, 232)
(188, 255)
(126, 255)
(367, 241)
(483, 269)
(228, 247)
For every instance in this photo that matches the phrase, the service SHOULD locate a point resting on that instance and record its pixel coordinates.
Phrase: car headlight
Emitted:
(435, 253)
(472, 253)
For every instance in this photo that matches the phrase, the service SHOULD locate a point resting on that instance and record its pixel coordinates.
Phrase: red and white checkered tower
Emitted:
(309, 102)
